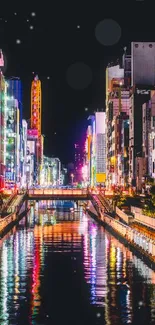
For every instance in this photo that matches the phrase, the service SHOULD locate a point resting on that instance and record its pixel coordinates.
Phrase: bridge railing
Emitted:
(67, 192)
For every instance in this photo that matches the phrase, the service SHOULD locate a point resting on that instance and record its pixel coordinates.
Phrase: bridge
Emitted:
(58, 194)
(64, 194)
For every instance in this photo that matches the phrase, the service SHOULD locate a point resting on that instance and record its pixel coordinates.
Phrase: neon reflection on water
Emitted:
(4, 292)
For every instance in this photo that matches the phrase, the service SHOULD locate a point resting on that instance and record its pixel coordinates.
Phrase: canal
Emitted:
(59, 267)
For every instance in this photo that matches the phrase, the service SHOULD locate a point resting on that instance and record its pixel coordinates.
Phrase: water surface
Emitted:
(59, 267)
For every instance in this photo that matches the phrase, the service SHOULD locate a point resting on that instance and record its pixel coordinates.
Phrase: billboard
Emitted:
(32, 133)
(100, 178)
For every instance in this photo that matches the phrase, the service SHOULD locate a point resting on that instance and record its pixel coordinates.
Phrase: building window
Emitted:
(153, 166)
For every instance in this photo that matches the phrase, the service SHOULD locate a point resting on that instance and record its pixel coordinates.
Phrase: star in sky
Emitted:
(31, 27)
(33, 14)
(78, 26)
(48, 78)
(18, 41)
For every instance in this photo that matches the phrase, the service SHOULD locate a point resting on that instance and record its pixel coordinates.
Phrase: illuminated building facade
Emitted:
(12, 172)
(47, 171)
(100, 123)
(56, 172)
(119, 150)
(63, 176)
(14, 90)
(78, 162)
(36, 115)
(95, 168)
(51, 172)
(151, 156)
(23, 153)
(88, 153)
(32, 170)
(124, 162)
(117, 101)
(91, 151)
(148, 136)
(93, 154)
(36, 105)
(142, 82)
(3, 93)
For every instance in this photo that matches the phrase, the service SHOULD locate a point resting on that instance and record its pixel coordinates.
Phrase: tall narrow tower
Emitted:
(36, 105)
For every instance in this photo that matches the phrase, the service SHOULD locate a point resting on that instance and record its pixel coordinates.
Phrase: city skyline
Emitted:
(56, 41)
(77, 163)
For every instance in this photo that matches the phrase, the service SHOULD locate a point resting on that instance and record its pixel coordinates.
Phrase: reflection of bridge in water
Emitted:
(66, 215)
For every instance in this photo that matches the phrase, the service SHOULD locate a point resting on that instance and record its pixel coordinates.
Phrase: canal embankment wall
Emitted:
(141, 245)
(17, 212)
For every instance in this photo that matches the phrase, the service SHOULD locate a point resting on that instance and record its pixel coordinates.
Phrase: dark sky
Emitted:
(54, 44)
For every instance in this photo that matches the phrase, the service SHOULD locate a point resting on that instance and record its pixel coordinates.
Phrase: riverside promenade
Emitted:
(133, 237)
(12, 211)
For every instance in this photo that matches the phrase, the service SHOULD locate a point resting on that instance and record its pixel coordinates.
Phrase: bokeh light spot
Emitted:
(108, 32)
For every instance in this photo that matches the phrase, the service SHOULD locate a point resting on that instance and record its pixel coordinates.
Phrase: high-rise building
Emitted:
(94, 170)
(23, 156)
(3, 95)
(32, 165)
(142, 81)
(142, 64)
(36, 105)
(46, 178)
(78, 162)
(151, 155)
(117, 101)
(57, 172)
(148, 136)
(14, 90)
(124, 160)
(36, 116)
(31, 170)
(100, 123)
(12, 172)
(91, 151)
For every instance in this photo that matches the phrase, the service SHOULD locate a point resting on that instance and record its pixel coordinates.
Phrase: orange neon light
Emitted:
(36, 105)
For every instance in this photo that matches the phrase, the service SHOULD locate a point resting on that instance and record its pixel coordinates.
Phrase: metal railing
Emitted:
(132, 235)
(65, 192)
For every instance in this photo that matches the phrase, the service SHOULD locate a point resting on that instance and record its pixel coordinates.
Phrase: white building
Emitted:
(100, 123)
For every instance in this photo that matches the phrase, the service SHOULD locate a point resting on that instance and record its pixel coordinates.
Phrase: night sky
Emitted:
(59, 42)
